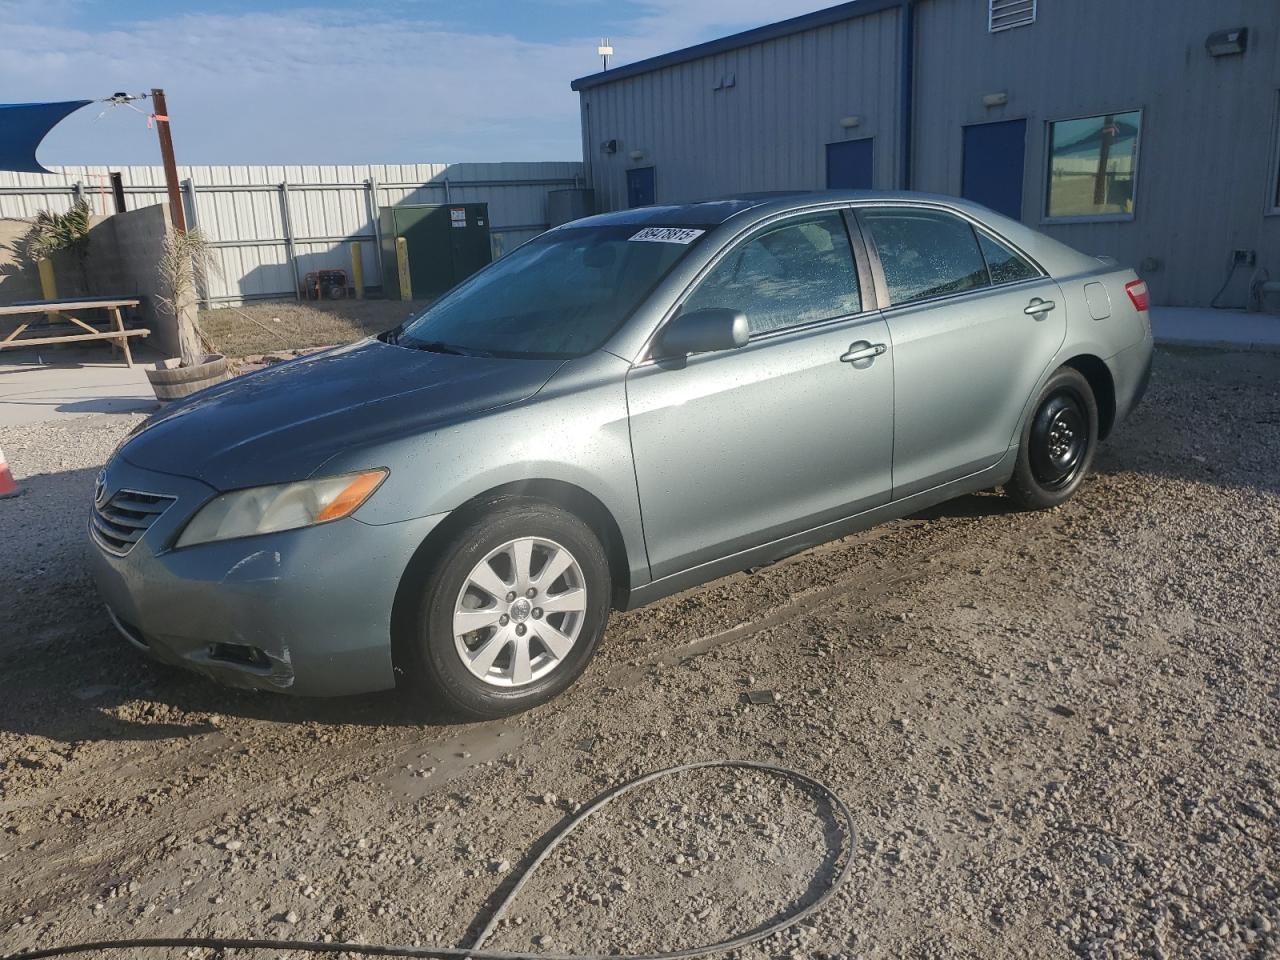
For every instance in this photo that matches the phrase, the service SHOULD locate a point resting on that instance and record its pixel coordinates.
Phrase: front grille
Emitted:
(120, 522)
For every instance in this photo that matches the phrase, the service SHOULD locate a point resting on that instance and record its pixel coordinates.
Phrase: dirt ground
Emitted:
(269, 327)
(1058, 733)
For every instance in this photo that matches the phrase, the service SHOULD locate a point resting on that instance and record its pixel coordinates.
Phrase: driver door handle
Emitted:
(862, 350)
(1038, 306)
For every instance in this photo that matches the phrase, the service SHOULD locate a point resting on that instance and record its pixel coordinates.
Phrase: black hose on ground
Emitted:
(475, 951)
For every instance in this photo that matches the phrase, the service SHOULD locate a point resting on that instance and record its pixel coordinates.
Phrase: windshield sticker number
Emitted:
(668, 235)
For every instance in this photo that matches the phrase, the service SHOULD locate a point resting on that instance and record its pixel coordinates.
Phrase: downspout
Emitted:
(588, 154)
(907, 58)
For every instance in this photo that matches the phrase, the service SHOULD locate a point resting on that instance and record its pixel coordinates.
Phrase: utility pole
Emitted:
(161, 111)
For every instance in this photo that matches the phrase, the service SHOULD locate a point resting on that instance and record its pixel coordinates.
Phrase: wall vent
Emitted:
(1005, 14)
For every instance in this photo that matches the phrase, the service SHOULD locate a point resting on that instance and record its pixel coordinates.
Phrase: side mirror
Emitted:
(704, 331)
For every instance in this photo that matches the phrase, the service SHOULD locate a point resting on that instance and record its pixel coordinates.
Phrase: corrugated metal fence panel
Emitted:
(755, 118)
(242, 209)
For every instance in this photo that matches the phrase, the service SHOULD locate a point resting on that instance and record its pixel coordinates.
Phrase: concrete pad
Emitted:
(1220, 329)
(66, 382)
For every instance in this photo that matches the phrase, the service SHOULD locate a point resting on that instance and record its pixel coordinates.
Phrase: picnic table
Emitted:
(66, 310)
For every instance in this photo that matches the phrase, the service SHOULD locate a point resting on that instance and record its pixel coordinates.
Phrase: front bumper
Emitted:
(304, 611)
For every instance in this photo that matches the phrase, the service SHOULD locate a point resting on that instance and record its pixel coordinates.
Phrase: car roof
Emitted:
(701, 213)
(712, 213)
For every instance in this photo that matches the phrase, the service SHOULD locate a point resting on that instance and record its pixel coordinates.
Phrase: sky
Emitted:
(369, 81)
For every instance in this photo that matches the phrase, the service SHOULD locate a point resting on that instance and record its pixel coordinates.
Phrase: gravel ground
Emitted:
(1058, 733)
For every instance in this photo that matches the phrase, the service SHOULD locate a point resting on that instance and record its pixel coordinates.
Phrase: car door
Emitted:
(740, 447)
(974, 324)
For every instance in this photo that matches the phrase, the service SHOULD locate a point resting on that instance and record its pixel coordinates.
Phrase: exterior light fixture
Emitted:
(995, 99)
(637, 154)
(1225, 43)
(850, 122)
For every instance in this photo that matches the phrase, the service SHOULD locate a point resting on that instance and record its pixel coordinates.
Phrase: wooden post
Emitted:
(357, 270)
(124, 341)
(402, 264)
(176, 213)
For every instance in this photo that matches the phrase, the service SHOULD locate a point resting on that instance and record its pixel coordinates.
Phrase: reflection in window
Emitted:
(561, 294)
(1092, 164)
(793, 274)
(925, 254)
(1005, 265)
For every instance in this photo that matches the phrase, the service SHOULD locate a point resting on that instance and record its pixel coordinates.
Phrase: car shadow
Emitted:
(989, 503)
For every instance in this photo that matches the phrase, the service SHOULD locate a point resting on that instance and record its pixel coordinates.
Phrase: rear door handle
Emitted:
(1038, 306)
(862, 350)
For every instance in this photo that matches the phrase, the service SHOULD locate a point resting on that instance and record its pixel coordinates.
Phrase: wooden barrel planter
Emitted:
(172, 382)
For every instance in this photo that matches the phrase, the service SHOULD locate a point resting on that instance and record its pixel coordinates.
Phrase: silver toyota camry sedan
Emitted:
(624, 407)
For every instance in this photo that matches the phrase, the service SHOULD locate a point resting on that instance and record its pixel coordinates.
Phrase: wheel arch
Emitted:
(567, 496)
(1103, 387)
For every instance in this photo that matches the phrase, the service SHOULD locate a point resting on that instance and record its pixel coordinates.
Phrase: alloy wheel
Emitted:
(519, 612)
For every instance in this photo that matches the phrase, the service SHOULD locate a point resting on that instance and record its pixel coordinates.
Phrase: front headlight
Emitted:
(285, 506)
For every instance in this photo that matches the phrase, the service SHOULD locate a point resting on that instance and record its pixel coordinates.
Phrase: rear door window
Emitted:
(925, 253)
(794, 273)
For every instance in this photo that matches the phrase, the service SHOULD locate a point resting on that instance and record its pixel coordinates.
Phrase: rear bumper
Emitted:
(1131, 374)
(305, 611)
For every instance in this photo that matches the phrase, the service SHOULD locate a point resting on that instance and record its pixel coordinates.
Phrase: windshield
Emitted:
(559, 295)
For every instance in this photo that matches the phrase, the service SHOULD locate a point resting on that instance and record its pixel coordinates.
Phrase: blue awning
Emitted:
(23, 126)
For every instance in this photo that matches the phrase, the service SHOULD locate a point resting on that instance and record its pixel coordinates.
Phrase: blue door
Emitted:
(640, 187)
(849, 165)
(993, 163)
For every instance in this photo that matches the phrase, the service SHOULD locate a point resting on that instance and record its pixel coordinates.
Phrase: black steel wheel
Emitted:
(1059, 439)
(1058, 443)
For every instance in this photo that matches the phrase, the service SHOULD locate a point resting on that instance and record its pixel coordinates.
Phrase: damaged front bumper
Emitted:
(304, 611)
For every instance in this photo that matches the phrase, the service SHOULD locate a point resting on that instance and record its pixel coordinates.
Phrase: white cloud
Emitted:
(328, 85)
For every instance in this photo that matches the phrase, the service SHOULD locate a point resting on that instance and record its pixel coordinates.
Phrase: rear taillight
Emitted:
(1137, 291)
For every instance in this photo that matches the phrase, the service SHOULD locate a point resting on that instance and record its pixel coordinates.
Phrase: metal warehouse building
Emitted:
(1143, 129)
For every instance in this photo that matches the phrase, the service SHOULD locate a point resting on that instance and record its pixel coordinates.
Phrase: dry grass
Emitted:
(256, 328)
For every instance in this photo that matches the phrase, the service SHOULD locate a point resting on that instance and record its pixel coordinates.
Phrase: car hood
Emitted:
(282, 423)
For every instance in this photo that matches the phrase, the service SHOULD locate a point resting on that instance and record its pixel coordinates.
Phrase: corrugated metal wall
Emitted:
(767, 132)
(1207, 159)
(258, 216)
(1205, 149)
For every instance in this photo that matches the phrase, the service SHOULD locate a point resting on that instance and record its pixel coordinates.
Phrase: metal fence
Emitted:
(271, 225)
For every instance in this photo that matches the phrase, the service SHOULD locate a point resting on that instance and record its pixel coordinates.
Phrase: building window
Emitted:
(1093, 166)
(1005, 14)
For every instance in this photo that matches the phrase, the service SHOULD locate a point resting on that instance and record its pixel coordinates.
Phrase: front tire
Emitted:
(1059, 441)
(513, 611)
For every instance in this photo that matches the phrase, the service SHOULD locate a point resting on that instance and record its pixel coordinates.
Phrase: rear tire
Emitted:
(1059, 441)
(533, 582)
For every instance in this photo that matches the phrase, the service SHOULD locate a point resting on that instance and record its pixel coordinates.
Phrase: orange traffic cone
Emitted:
(8, 486)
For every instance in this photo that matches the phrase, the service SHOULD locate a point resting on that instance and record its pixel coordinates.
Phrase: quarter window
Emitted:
(798, 273)
(924, 253)
(1093, 162)
(1004, 264)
